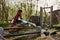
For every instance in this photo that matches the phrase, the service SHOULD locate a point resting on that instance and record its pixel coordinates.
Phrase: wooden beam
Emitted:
(13, 28)
(41, 17)
(21, 28)
(46, 7)
(51, 24)
(20, 34)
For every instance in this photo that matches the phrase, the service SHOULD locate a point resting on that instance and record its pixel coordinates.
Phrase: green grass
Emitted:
(4, 24)
(58, 24)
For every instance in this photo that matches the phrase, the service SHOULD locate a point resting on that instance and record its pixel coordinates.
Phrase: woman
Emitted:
(16, 20)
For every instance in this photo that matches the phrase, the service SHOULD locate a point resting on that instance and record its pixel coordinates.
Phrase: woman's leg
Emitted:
(13, 26)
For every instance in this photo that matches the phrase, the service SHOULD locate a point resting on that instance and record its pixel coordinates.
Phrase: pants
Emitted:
(23, 21)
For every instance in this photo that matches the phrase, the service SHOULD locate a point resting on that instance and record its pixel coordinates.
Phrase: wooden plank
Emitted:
(13, 28)
(41, 17)
(20, 34)
(21, 28)
(54, 26)
(46, 7)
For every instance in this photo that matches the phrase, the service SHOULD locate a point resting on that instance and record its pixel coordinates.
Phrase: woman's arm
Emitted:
(21, 16)
(12, 20)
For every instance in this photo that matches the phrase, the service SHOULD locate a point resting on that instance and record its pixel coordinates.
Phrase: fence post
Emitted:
(41, 17)
(51, 16)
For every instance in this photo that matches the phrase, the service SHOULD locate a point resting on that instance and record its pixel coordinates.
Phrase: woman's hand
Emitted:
(12, 21)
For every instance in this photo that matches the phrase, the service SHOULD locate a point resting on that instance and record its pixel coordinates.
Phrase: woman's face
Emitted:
(19, 13)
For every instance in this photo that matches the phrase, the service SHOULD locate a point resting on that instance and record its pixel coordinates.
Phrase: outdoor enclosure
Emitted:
(43, 13)
(9, 8)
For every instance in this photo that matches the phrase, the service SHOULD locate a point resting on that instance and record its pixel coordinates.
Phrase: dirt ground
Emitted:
(50, 37)
(35, 37)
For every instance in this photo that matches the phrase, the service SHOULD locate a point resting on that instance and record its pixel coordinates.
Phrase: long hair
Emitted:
(18, 14)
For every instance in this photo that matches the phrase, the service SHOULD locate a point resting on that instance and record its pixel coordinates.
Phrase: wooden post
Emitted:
(41, 16)
(51, 16)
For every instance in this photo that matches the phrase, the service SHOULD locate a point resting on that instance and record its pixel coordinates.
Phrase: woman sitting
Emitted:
(17, 20)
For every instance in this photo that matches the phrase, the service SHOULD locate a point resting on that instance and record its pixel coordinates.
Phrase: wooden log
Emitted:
(7, 28)
(13, 28)
(56, 27)
(20, 34)
(46, 7)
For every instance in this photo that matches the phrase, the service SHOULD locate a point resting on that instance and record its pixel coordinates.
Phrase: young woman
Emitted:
(16, 20)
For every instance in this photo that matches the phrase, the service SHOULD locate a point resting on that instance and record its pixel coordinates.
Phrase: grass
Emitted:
(58, 24)
(4, 24)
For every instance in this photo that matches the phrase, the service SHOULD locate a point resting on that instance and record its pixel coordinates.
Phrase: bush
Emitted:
(4, 24)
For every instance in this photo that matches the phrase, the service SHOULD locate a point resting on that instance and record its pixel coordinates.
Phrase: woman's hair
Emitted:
(17, 15)
(19, 11)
